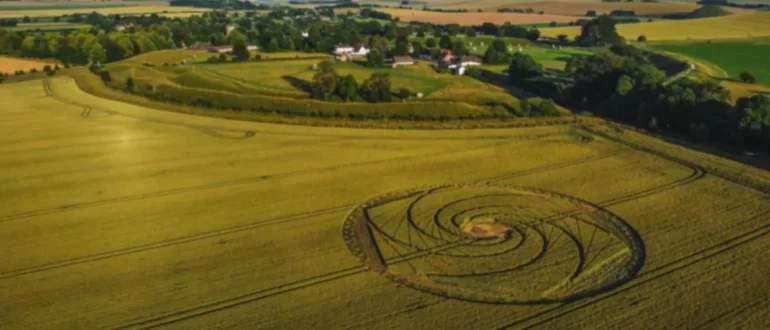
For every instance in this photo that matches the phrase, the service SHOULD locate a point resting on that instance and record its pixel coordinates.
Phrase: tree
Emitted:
(375, 59)
(325, 81)
(130, 85)
(417, 47)
(97, 54)
(523, 67)
(402, 47)
(533, 34)
(403, 94)
(563, 39)
(376, 88)
(625, 85)
(348, 88)
(272, 46)
(600, 31)
(497, 53)
(430, 43)
(470, 32)
(458, 48)
(748, 77)
(445, 42)
(642, 38)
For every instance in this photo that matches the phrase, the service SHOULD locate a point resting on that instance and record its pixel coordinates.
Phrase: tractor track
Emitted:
(541, 318)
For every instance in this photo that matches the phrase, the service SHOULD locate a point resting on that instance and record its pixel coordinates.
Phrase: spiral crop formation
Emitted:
(493, 243)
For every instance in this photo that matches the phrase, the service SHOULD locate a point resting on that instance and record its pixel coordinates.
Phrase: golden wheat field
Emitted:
(129, 10)
(10, 65)
(734, 26)
(122, 217)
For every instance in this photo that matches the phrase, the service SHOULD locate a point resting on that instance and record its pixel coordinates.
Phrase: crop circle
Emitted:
(494, 243)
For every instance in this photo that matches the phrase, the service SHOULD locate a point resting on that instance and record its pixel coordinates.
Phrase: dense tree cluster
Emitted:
(622, 84)
(600, 31)
(85, 46)
(328, 85)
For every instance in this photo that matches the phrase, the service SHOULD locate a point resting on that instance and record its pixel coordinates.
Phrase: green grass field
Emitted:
(119, 216)
(733, 57)
(286, 78)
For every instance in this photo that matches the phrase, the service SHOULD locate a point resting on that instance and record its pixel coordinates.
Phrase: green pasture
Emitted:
(732, 57)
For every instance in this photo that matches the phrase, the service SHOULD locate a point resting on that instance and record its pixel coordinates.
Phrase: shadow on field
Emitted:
(500, 80)
(300, 84)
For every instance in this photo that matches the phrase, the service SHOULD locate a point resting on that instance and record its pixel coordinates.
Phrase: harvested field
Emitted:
(576, 8)
(407, 15)
(738, 26)
(739, 89)
(11, 65)
(127, 10)
(118, 216)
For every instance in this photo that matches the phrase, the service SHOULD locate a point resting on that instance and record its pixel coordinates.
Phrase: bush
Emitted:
(129, 84)
(403, 94)
(105, 76)
(748, 77)
(47, 68)
(642, 38)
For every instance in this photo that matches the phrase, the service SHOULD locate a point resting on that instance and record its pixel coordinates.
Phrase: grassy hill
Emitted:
(283, 85)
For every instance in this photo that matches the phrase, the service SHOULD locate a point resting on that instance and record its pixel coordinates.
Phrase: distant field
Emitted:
(726, 27)
(141, 9)
(578, 8)
(49, 26)
(733, 57)
(474, 18)
(10, 65)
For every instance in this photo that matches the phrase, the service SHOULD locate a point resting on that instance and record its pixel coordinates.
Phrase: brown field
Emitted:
(580, 8)
(10, 64)
(117, 216)
(408, 15)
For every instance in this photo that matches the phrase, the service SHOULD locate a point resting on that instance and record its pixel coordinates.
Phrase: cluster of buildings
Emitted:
(209, 47)
(446, 60)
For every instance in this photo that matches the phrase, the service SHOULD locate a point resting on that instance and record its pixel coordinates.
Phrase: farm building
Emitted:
(470, 60)
(402, 60)
(124, 27)
(347, 51)
(202, 46)
(221, 49)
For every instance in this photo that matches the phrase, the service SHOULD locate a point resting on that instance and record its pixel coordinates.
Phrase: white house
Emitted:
(470, 60)
(351, 51)
(230, 27)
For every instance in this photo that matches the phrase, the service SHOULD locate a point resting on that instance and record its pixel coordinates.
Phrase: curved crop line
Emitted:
(87, 110)
(536, 258)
